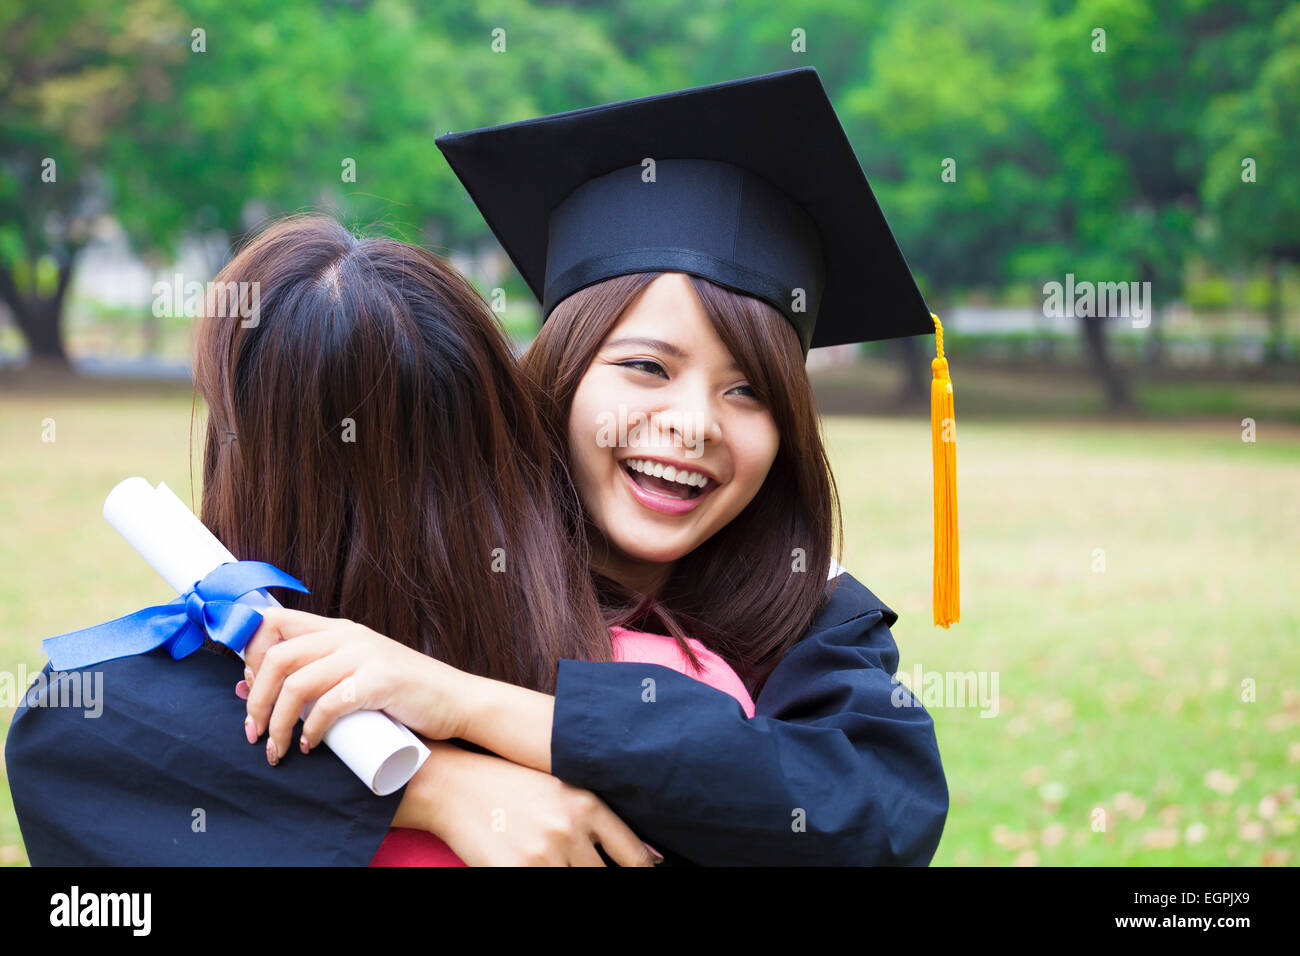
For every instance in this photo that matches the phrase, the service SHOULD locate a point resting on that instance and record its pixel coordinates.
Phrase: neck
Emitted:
(644, 577)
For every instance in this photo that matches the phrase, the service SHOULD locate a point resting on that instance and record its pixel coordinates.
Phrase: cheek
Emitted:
(753, 462)
(587, 457)
(582, 440)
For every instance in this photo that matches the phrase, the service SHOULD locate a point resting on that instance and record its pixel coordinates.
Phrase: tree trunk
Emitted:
(915, 389)
(1276, 347)
(39, 321)
(1118, 397)
(42, 330)
(1155, 346)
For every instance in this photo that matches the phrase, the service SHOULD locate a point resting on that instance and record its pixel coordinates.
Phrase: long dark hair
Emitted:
(750, 591)
(369, 431)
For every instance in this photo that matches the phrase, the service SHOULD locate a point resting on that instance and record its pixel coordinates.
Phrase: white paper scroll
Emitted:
(176, 544)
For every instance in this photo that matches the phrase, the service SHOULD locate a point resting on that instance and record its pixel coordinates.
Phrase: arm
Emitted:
(492, 812)
(839, 765)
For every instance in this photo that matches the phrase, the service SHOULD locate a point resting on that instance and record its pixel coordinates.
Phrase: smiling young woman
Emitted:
(719, 380)
(734, 223)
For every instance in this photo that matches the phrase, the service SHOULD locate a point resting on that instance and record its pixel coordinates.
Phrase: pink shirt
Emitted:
(406, 847)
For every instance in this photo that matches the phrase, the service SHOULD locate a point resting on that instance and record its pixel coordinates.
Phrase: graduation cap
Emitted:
(751, 184)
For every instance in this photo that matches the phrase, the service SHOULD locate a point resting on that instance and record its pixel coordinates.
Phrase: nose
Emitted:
(691, 420)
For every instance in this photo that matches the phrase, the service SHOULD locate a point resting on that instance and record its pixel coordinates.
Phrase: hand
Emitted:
(296, 658)
(492, 812)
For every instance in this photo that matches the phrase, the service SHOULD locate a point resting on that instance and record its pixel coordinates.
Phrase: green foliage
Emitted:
(1122, 163)
(1258, 122)
(1209, 294)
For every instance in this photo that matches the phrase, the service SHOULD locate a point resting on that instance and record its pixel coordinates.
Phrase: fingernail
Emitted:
(248, 675)
(241, 690)
(302, 744)
(659, 857)
(250, 729)
(272, 755)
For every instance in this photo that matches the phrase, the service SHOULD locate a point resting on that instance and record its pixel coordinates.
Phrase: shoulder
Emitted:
(165, 737)
(849, 634)
(126, 699)
(848, 599)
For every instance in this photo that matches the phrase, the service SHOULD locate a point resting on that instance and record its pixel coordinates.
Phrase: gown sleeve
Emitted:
(153, 769)
(839, 765)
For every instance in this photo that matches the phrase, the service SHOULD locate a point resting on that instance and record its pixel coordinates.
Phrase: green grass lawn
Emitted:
(1127, 583)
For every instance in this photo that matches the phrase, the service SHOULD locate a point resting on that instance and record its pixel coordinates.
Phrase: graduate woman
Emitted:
(688, 249)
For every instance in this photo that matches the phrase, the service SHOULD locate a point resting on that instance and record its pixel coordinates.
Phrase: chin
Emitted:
(635, 546)
(661, 555)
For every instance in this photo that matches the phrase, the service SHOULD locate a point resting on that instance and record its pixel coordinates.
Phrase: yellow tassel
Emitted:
(943, 442)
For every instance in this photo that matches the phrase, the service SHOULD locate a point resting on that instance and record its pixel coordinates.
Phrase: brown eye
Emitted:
(645, 365)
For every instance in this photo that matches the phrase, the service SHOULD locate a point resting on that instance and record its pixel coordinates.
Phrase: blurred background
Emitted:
(1124, 686)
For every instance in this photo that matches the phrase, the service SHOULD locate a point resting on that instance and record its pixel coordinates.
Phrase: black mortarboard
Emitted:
(755, 186)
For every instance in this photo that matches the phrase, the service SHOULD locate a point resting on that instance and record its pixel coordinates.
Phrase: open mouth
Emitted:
(666, 481)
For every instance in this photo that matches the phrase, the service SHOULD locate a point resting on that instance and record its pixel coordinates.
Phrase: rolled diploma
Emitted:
(177, 545)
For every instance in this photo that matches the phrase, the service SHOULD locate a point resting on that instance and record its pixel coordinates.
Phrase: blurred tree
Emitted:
(1004, 145)
(1131, 80)
(1251, 187)
(207, 116)
(944, 123)
(69, 73)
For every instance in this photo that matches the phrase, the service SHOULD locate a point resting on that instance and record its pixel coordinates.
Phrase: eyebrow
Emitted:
(666, 347)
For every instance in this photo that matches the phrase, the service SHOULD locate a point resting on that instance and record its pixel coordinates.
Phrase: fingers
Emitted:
(277, 663)
(281, 624)
(312, 681)
(584, 853)
(619, 843)
(339, 701)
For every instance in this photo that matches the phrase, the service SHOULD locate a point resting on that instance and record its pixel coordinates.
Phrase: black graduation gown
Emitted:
(838, 766)
(830, 770)
(123, 788)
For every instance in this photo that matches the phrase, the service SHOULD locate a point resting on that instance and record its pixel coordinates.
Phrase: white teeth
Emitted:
(669, 473)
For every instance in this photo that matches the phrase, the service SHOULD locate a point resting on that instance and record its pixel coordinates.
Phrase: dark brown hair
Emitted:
(738, 593)
(371, 434)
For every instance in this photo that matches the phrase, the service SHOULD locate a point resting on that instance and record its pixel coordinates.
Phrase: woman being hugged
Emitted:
(369, 429)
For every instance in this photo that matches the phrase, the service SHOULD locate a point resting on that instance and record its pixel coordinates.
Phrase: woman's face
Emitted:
(668, 442)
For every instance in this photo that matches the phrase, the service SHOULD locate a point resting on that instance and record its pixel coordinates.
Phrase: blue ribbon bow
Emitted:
(209, 607)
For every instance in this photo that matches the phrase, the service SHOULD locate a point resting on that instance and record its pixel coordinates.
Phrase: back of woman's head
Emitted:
(369, 432)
